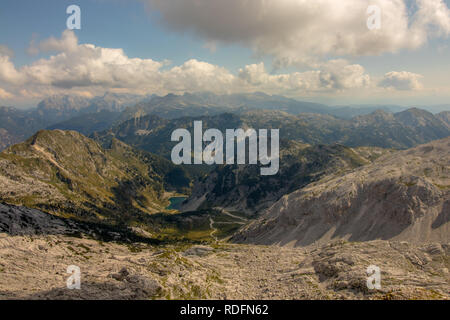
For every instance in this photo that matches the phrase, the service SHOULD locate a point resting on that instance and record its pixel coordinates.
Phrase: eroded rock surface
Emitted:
(34, 267)
(403, 196)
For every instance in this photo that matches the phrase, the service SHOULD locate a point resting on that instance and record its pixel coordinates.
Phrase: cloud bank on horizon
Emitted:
(320, 38)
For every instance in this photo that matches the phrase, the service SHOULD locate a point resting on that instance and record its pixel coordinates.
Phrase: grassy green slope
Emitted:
(66, 173)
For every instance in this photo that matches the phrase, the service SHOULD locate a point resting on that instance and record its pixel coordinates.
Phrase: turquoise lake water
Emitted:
(175, 203)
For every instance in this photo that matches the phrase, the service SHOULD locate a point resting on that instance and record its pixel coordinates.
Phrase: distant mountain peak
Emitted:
(416, 111)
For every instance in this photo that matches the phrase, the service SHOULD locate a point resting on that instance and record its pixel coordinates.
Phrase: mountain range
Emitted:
(379, 129)
(344, 198)
(93, 114)
(88, 115)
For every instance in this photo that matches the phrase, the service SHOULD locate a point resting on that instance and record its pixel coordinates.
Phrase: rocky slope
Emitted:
(241, 188)
(66, 173)
(444, 116)
(36, 249)
(35, 268)
(403, 196)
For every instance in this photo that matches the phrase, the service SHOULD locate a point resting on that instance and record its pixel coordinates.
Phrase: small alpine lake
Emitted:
(175, 202)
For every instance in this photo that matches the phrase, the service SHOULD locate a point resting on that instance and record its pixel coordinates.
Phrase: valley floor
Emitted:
(34, 267)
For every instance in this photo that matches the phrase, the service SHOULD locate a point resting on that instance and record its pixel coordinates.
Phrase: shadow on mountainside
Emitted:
(20, 221)
(443, 217)
(109, 290)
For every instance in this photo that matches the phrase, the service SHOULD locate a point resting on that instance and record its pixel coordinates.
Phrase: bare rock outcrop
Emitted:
(36, 266)
(404, 196)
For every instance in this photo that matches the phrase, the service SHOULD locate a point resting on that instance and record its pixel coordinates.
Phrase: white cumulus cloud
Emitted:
(305, 31)
(334, 76)
(5, 94)
(91, 70)
(401, 81)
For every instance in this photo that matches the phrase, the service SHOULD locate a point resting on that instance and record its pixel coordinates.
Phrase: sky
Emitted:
(328, 51)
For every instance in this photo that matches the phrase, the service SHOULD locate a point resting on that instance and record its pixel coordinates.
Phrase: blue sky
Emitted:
(110, 24)
(279, 47)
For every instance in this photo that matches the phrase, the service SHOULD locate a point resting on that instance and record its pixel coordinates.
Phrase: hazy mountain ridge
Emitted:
(208, 104)
(88, 123)
(6, 139)
(76, 113)
(63, 107)
(403, 196)
(153, 133)
(16, 125)
(87, 115)
(379, 129)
